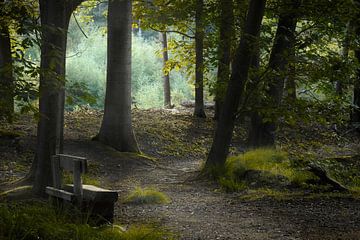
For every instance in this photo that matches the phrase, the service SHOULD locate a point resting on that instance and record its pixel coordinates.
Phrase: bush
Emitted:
(266, 165)
(147, 196)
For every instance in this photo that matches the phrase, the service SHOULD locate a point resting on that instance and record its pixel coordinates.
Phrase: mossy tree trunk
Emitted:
(224, 130)
(116, 128)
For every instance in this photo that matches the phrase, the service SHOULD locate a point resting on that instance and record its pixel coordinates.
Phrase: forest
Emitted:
(174, 119)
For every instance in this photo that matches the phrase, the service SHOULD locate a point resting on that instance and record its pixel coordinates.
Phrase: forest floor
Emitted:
(174, 146)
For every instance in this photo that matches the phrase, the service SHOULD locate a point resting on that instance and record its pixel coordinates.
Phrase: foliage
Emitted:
(20, 19)
(86, 71)
(268, 162)
(147, 196)
(37, 220)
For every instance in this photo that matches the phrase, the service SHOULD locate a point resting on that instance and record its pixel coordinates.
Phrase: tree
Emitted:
(6, 74)
(55, 17)
(224, 52)
(224, 130)
(263, 132)
(199, 62)
(116, 128)
(355, 115)
(166, 77)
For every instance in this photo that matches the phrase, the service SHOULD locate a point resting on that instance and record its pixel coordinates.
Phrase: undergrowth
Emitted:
(270, 164)
(147, 196)
(38, 220)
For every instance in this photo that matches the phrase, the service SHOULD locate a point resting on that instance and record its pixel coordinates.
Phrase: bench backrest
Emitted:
(74, 164)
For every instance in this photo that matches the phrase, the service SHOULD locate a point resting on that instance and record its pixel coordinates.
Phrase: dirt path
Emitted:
(198, 212)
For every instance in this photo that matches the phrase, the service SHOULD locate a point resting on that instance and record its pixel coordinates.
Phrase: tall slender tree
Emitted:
(116, 128)
(224, 130)
(55, 17)
(199, 110)
(166, 76)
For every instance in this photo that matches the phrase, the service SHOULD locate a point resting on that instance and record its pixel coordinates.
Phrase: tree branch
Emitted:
(172, 31)
(77, 23)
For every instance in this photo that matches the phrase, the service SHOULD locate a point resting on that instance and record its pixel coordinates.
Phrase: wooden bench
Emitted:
(96, 202)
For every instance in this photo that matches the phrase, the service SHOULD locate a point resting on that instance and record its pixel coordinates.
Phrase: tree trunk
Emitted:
(199, 65)
(55, 17)
(339, 88)
(116, 128)
(6, 76)
(355, 116)
(223, 134)
(279, 64)
(166, 77)
(224, 53)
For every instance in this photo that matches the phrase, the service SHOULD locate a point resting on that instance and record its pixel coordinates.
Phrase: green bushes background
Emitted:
(86, 71)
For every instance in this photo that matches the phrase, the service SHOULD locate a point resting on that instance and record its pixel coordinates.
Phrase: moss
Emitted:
(147, 196)
(272, 166)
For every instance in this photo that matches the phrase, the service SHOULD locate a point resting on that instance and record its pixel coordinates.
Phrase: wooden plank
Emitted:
(56, 171)
(94, 193)
(68, 196)
(67, 162)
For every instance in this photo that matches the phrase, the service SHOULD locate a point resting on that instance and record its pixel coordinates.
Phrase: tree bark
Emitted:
(166, 77)
(55, 17)
(279, 64)
(224, 130)
(116, 128)
(224, 53)
(339, 86)
(355, 116)
(199, 65)
(6, 75)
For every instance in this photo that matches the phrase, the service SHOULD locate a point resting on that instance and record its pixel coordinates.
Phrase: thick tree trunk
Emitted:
(166, 77)
(199, 65)
(116, 128)
(223, 134)
(55, 17)
(6, 76)
(279, 64)
(224, 53)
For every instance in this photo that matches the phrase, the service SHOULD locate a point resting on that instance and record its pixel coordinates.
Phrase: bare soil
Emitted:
(174, 146)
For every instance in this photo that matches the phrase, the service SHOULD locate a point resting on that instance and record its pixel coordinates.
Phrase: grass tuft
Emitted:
(147, 196)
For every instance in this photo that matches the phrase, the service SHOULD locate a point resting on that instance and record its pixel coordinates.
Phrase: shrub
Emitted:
(270, 164)
(147, 196)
